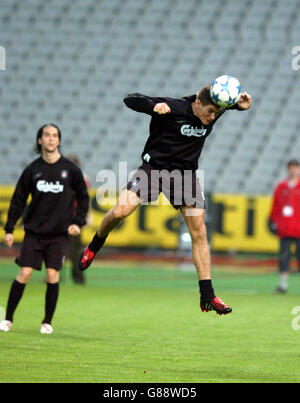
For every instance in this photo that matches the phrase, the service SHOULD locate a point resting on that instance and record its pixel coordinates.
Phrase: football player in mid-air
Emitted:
(178, 130)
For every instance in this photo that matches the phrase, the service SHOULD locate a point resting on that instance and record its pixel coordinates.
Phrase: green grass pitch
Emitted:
(136, 323)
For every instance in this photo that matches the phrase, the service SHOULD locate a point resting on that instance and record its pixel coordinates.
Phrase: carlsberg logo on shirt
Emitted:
(188, 130)
(47, 187)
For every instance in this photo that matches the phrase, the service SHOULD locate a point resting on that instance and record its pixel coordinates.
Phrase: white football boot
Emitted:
(46, 328)
(5, 326)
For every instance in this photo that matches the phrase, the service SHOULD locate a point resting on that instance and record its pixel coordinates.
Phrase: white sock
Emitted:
(284, 281)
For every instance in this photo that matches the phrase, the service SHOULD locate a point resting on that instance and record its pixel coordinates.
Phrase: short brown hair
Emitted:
(204, 96)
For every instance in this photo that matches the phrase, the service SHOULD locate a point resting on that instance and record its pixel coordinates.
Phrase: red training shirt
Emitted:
(285, 211)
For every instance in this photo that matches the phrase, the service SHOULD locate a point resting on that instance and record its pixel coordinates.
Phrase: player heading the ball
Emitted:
(178, 130)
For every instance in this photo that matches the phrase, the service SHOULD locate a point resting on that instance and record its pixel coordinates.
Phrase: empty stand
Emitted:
(72, 62)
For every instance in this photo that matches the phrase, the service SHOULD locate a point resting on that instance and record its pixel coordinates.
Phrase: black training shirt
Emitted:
(53, 188)
(176, 138)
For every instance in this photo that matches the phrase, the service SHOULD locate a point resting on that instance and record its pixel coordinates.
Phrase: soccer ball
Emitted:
(225, 91)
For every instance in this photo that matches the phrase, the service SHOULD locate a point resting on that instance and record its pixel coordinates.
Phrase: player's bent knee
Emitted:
(121, 212)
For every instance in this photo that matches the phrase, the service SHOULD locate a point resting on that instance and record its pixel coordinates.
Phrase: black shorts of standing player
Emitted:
(180, 188)
(37, 249)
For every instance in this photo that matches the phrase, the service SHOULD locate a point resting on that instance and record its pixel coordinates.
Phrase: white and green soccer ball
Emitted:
(225, 91)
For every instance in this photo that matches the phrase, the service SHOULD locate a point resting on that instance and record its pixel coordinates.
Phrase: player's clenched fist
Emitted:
(162, 108)
(8, 240)
(73, 230)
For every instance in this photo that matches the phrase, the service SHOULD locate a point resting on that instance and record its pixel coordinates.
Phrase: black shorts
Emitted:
(180, 188)
(36, 249)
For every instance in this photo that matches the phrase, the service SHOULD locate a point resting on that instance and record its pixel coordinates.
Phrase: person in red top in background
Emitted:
(74, 243)
(285, 220)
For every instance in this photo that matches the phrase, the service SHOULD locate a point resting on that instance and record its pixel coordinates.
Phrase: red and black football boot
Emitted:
(215, 304)
(86, 258)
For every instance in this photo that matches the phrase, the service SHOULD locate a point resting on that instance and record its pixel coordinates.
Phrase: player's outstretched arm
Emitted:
(144, 104)
(244, 102)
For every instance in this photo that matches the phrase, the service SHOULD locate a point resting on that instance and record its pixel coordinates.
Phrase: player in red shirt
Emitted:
(285, 219)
